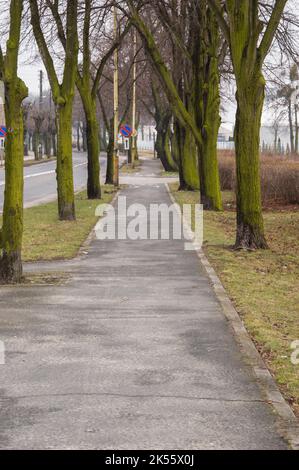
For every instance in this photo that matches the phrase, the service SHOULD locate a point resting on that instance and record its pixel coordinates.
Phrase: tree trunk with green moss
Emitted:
(93, 144)
(88, 93)
(250, 99)
(168, 151)
(163, 117)
(46, 145)
(15, 92)
(190, 162)
(175, 153)
(178, 151)
(163, 140)
(93, 150)
(207, 105)
(63, 95)
(186, 143)
(12, 229)
(249, 39)
(190, 180)
(65, 182)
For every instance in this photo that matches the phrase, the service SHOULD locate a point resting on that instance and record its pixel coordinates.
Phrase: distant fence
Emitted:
(146, 145)
(226, 145)
(150, 145)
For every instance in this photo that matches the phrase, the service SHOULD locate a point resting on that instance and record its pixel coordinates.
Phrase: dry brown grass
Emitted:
(279, 177)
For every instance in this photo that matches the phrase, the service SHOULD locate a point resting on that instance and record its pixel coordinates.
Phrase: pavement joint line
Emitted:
(288, 425)
(122, 395)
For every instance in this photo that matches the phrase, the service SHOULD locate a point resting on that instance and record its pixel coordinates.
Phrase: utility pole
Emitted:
(134, 138)
(116, 103)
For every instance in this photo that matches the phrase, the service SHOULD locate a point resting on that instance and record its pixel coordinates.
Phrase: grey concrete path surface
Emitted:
(132, 352)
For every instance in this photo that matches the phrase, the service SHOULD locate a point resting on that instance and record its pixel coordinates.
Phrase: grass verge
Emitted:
(263, 285)
(170, 174)
(46, 238)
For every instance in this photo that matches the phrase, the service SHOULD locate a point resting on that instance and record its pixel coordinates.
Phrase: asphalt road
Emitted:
(40, 180)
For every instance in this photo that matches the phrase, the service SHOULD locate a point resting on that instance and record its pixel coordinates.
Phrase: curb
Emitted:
(91, 237)
(288, 425)
(83, 248)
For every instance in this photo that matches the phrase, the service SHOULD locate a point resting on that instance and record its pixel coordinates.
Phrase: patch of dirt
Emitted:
(46, 279)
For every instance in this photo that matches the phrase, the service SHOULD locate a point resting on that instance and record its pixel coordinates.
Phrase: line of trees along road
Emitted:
(249, 40)
(183, 49)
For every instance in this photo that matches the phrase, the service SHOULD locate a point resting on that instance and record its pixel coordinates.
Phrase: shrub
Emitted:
(279, 177)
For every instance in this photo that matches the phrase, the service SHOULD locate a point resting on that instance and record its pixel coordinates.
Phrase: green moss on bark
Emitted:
(65, 182)
(249, 40)
(207, 105)
(15, 93)
(250, 225)
(63, 95)
(189, 163)
(93, 148)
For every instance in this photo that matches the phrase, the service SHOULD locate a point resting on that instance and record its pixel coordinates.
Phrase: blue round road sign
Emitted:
(126, 131)
(3, 131)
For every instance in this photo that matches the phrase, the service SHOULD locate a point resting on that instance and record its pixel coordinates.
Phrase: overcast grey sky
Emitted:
(30, 75)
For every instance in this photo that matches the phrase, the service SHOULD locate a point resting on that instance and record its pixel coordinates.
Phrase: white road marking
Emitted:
(45, 173)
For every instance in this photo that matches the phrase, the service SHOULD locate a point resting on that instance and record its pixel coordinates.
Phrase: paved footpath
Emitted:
(133, 352)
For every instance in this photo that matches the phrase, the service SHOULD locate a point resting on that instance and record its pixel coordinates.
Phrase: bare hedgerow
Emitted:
(279, 177)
